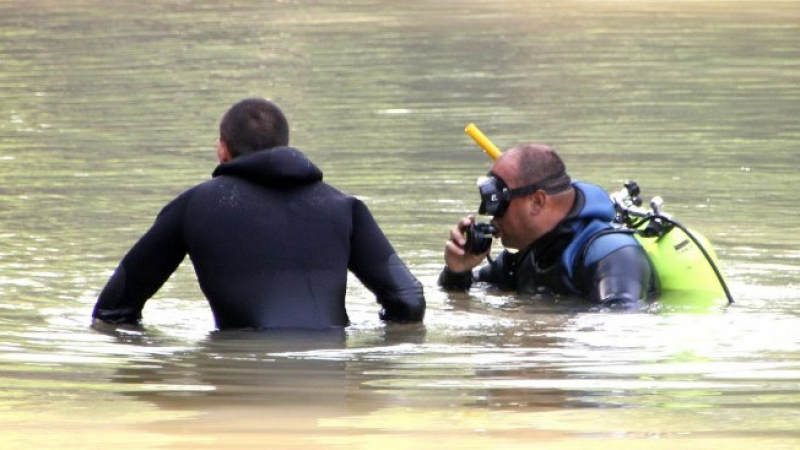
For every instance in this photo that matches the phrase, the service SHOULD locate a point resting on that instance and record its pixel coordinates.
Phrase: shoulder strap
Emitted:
(578, 262)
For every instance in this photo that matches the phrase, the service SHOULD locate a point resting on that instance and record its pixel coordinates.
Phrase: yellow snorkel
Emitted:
(484, 142)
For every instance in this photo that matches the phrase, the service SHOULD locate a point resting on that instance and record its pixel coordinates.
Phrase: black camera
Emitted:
(479, 237)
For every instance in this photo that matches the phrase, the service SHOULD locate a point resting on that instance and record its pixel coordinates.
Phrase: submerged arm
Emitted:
(380, 269)
(143, 270)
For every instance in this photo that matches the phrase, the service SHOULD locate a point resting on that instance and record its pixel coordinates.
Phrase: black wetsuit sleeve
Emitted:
(375, 263)
(623, 276)
(501, 271)
(455, 281)
(498, 272)
(145, 268)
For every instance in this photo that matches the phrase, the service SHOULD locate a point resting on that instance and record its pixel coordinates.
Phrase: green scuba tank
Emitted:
(686, 265)
(684, 273)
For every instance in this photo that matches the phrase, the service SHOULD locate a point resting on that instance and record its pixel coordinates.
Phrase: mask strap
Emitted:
(541, 184)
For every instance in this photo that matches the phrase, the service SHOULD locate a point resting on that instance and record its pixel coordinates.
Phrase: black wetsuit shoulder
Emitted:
(270, 249)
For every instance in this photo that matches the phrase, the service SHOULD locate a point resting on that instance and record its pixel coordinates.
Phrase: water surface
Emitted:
(107, 111)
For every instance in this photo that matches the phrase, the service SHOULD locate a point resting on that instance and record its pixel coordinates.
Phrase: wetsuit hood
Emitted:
(279, 166)
(591, 202)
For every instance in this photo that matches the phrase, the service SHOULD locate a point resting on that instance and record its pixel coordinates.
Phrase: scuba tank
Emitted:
(685, 262)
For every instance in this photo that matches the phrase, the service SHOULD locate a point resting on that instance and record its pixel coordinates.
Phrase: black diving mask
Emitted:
(496, 196)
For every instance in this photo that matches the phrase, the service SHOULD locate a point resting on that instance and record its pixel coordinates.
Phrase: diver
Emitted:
(270, 242)
(561, 231)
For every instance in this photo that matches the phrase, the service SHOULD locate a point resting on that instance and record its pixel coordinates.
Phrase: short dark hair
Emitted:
(540, 164)
(253, 124)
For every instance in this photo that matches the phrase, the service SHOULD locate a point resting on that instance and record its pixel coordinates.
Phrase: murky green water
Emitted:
(108, 110)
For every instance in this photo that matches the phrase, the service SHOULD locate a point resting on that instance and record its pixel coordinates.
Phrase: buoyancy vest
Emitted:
(589, 222)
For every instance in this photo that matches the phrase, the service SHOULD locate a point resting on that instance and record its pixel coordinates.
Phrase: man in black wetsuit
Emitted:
(270, 242)
(562, 230)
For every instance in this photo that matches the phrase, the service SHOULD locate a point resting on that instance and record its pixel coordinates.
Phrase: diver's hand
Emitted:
(456, 257)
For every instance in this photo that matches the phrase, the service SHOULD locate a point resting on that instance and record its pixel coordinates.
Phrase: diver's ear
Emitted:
(222, 152)
(536, 201)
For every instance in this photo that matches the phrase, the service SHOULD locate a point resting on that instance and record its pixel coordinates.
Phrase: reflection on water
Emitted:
(109, 111)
